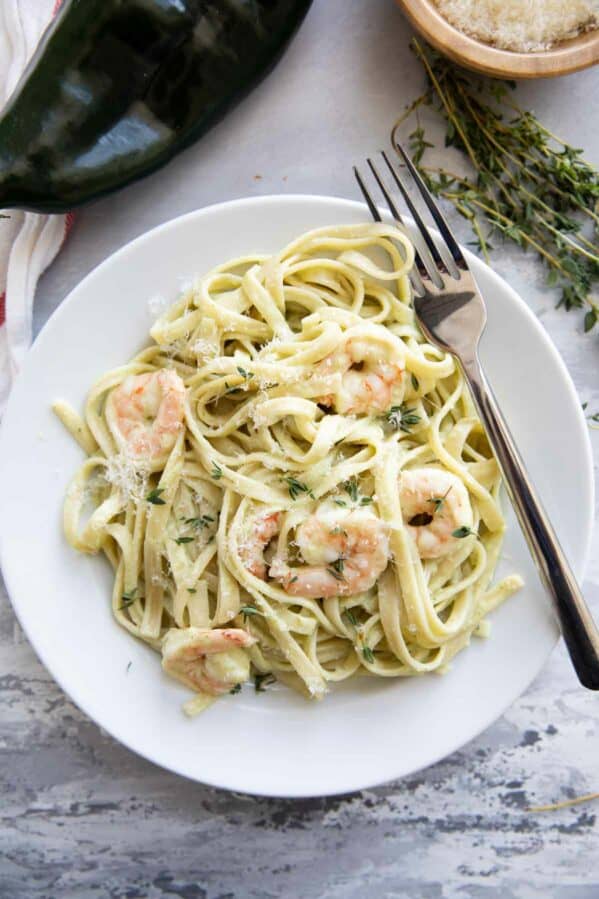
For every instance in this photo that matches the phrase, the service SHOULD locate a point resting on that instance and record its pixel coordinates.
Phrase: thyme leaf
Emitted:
(368, 654)
(154, 497)
(592, 417)
(438, 501)
(463, 532)
(200, 522)
(401, 418)
(350, 617)
(336, 569)
(128, 598)
(262, 681)
(351, 488)
(296, 487)
(248, 610)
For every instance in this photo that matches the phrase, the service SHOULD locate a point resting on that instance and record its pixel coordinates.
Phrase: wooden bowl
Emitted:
(568, 56)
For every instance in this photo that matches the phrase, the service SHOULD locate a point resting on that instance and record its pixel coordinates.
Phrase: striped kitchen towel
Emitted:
(28, 242)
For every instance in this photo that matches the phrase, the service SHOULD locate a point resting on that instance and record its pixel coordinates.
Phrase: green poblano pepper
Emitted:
(118, 87)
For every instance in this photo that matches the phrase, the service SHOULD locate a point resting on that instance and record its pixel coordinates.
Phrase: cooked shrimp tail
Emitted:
(145, 415)
(344, 551)
(369, 366)
(263, 529)
(435, 505)
(211, 661)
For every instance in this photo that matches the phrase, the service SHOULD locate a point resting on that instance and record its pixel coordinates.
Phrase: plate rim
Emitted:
(71, 690)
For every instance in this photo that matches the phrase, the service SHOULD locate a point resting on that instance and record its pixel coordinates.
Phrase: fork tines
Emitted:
(429, 263)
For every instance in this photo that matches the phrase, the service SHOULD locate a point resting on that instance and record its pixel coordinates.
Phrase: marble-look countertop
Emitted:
(81, 816)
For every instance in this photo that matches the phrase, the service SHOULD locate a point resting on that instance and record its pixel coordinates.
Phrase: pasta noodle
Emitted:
(291, 478)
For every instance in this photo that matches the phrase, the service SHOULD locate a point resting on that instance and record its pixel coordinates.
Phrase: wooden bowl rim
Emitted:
(571, 55)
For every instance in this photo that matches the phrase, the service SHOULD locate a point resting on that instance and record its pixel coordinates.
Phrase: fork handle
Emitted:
(577, 625)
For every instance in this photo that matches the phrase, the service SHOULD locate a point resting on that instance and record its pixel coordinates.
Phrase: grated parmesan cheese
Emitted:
(157, 305)
(127, 476)
(204, 349)
(521, 25)
(259, 420)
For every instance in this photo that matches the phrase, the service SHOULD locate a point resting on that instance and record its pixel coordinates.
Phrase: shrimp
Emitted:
(145, 414)
(345, 553)
(434, 504)
(264, 528)
(211, 661)
(371, 364)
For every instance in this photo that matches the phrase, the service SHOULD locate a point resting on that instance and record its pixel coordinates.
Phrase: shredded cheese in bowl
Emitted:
(521, 25)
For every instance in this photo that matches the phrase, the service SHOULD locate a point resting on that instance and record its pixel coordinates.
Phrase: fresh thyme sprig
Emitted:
(296, 487)
(200, 522)
(401, 418)
(527, 186)
(351, 487)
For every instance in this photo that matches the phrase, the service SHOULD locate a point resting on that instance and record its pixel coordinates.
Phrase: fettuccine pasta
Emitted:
(290, 481)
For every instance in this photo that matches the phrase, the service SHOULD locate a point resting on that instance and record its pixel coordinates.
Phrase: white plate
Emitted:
(275, 743)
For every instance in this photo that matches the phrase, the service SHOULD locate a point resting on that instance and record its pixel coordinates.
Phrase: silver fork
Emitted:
(452, 315)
